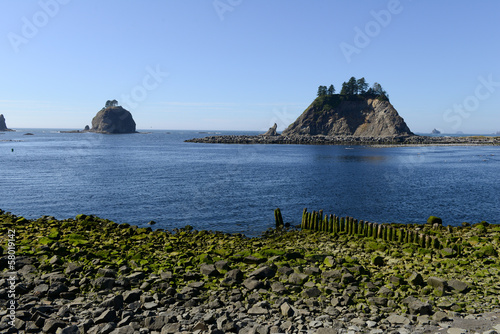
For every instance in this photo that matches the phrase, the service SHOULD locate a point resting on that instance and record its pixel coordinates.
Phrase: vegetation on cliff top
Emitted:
(355, 89)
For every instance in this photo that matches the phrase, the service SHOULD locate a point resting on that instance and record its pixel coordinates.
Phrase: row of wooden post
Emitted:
(350, 226)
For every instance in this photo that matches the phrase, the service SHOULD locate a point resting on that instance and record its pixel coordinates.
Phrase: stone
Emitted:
(116, 302)
(287, 310)
(327, 331)
(106, 317)
(416, 279)
(73, 268)
(208, 270)
(104, 283)
(113, 120)
(257, 310)
(458, 286)
(396, 319)
(106, 272)
(297, 278)
(436, 282)
(263, 272)
(171, 328)
(252, 284)
(131, 296)
(419, 307)
(311, 292)
(70, 330)
(51, 325)
(456, 330)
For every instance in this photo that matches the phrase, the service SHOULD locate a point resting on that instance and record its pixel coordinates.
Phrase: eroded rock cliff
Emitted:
(357, 116)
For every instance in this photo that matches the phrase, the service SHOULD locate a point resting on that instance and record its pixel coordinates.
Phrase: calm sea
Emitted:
(136, 178)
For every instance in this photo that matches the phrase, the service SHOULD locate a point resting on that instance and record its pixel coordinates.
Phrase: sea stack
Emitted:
(3, 126)
(113, 119)
(272, 131)
(358, 116)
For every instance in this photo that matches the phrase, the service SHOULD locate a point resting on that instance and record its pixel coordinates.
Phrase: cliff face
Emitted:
(113, 120)
(359, 116)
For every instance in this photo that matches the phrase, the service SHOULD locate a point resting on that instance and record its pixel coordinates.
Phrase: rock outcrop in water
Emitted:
(272, 131)
(113, 119)
(357, 116)
(3, 126)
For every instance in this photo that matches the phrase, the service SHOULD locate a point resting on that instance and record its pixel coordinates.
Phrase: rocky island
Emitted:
(356, 116)
(113, 119)
(3, 125)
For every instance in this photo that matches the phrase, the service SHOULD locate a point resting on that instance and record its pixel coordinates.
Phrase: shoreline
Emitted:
(349, 140)
(95, 275)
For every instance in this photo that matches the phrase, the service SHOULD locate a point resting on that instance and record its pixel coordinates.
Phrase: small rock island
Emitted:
(3, 125)
(113, 119)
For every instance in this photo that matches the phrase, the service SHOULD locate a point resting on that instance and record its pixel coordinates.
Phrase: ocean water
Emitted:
(136, 178)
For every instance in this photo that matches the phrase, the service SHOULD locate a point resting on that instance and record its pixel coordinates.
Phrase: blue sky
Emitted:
(245, 64)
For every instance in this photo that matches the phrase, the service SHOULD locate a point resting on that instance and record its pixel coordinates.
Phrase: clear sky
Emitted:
(245, 64)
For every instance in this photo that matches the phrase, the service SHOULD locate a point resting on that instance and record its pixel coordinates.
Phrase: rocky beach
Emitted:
(91, 275)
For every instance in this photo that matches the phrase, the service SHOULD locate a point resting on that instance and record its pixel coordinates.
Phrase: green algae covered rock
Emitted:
(434, 220)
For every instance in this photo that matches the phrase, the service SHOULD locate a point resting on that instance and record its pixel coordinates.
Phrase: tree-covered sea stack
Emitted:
(93, 274)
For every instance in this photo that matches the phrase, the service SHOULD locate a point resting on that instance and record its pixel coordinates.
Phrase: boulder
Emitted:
(113, 120)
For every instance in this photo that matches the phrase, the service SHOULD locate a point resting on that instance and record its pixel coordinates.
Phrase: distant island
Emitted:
(436, 132)
(111, 119)
(358, 115)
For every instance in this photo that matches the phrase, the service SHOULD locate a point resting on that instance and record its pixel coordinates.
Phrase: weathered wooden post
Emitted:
(279, 219)
(304, 218)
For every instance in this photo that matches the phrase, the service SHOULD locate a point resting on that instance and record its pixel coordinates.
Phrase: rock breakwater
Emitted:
(95, 276)
(348, 140)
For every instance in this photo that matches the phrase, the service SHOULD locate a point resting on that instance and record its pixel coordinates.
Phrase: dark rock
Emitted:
(3, 126)
(115, 302)
(263, 272)
(209, 270)
(104, 283)
(252, 284)
(56, 289)
(106, 317)
(51, 325)
(113, 120)
(132, 296)
(73, 268)
(106, 272)
(311, 292)
(416, 279)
